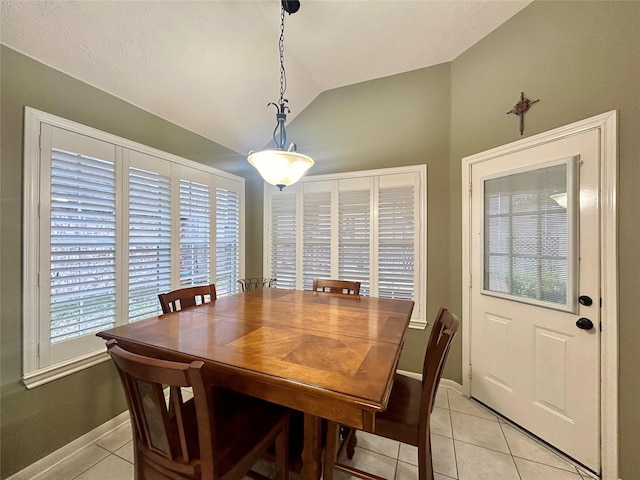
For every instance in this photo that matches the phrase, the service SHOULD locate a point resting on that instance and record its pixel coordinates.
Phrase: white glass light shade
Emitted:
(280, 167)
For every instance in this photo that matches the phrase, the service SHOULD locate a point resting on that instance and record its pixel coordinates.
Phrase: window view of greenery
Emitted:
(527, 235)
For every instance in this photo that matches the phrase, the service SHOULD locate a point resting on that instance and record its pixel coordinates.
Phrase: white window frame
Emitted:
(418, 320)
(35, 371)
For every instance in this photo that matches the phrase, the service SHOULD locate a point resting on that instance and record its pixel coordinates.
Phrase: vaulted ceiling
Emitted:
(212, 66)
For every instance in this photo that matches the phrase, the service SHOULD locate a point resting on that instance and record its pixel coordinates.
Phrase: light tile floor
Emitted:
(468, 443)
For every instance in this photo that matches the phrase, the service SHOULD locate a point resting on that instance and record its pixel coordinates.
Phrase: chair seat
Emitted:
(402, 418)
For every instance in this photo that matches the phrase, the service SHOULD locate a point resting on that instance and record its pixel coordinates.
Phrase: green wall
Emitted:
(580, 59)
(38, 421)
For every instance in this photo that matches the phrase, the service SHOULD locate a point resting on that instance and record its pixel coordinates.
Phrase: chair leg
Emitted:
(330, 451)
(282, 452)
(351, 445)
(348, 434)
(425, 463)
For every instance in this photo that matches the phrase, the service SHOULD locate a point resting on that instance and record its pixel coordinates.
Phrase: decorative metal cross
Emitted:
(521, 108)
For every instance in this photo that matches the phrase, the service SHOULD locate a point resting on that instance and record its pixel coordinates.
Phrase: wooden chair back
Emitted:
(179, 438)
(216, 435)
(186, 297)
(435, 357)
(345, 287)
(247, 284)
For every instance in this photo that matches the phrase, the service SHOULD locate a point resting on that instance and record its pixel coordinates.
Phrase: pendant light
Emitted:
(281, 167)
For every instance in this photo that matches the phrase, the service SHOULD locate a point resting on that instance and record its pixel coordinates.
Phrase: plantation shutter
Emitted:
(283, 239)
(397, 221)
(110, 224)
(149, 235)
(227, 241)
(362, 226)
(195, 233)
(354, 232)
(83, 244)
(316, 232)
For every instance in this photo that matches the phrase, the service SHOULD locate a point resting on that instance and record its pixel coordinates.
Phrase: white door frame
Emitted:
(607, 124)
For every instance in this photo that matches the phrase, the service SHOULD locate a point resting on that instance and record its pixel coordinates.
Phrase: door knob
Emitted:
(585, 300)
(584, 323)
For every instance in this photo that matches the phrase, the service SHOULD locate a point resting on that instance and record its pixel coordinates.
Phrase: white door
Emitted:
(535, 301)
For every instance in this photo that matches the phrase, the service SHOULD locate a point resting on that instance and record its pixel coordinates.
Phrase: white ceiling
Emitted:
(212, 66)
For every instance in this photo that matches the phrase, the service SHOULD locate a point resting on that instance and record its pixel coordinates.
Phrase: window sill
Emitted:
(59, 370)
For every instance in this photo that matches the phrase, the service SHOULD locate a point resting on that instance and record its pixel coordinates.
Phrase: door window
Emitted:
(529, 235)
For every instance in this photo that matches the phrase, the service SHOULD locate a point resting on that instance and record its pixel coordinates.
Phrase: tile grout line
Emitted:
(89, 468)
(395, 469)
(453, 441)
(510, 451)
(502, 422)
(120, 456)
(66, 459)
(559, 455)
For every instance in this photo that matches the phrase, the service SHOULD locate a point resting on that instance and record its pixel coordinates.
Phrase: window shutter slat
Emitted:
(195, 233)
(354, 237)
(316, 242)
(283, 239)
(149, 241)
(227, 241)
(396, 242)
(82, 285)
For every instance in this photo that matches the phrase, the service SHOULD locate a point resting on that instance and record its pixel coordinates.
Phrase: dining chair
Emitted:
(336, 286)
(215, 435)
(186, 297)
(247, 284)
(407, 416)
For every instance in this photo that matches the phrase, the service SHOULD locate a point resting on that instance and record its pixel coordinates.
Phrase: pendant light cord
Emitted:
(283, 73)
(279, 133)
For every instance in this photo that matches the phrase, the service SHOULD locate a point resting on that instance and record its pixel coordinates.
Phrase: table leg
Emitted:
(312, 450)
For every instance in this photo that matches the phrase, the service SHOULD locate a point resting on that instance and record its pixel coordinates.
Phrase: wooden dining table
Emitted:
(330, 356)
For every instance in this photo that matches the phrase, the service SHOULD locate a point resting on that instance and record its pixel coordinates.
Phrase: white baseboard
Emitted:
(445, 382)
(54, 458)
